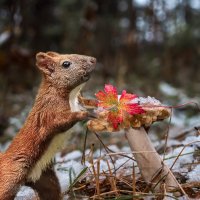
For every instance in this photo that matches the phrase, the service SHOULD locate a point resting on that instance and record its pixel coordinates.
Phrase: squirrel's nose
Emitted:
(92, 60)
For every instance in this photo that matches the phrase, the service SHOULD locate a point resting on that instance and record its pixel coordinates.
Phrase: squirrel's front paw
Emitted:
(87, 115)
(83, 115)
(92, 114)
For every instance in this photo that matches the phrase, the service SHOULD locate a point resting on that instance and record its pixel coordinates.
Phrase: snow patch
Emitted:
(167, 89)
(194, 140)
(185, 158)
(67, 172)
(25, 193)
(146, 100)
(194, 175)
(74, 155)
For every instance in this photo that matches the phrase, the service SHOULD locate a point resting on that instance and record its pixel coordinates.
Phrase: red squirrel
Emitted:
(28, 159)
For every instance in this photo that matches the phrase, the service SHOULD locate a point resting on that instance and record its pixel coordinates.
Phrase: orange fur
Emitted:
(50, 115)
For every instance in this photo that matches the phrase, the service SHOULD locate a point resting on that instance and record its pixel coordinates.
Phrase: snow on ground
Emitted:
(194, 175)
(168, 90)
(74, 155)
(67, 172)
(185, 157)
(25, 193)
(69, 166)
(193, 140)
(4, 146)
(180, 165)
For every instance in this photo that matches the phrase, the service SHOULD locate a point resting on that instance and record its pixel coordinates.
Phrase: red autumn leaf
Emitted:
(115, 118)
(118, 108)
(125, 105)
(108, 97)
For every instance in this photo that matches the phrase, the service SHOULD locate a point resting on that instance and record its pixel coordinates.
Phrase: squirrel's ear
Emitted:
(52, 53)
(45, 63)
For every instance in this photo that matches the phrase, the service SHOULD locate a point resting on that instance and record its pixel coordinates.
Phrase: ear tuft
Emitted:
(40, 56)
(45, 63)
(52, 53)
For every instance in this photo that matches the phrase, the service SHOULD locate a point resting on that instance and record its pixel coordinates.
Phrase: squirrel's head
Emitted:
(65, 70)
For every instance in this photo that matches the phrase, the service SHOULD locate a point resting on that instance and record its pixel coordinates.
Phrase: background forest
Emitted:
(138, 43)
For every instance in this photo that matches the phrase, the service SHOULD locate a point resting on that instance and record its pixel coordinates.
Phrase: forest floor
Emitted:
(107, 170)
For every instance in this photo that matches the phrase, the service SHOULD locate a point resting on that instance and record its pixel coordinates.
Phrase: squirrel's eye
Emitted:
(66, 64)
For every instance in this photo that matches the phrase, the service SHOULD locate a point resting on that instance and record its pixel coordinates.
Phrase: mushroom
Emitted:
(151, 166)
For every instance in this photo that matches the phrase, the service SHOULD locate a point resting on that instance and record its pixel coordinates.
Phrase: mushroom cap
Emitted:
(154, 111)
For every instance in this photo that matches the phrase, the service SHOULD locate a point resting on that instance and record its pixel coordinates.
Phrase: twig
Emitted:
(97, 179)
(167, 135)
(125, 181)
(198, 130)
(186, 132)
(134, 180)
(93, 169)
(106, 149)
(84, 147)
(112, 179)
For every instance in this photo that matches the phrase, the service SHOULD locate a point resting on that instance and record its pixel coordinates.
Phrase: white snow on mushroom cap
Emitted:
(147, 100)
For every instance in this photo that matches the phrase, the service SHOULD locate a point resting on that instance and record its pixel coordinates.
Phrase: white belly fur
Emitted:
(57, 142)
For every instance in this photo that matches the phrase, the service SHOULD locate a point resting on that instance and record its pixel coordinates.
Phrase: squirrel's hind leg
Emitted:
(47, 187)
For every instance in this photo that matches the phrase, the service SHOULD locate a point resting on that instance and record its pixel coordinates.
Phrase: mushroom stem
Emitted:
(149, 162)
